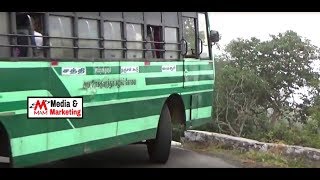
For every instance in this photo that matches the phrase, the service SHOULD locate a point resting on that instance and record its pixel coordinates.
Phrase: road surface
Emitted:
(136, 156)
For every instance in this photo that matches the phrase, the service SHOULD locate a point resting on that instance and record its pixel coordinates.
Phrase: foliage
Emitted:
(291, 135)
(284, 62)
(254, 85)
(237, 96)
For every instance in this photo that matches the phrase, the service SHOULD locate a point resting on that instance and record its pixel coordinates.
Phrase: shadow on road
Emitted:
(136, 156)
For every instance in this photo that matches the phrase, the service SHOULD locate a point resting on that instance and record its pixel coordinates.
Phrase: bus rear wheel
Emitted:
(159, 148)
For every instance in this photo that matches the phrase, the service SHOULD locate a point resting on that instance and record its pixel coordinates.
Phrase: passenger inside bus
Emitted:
(38, 29)
(29, 25)
(150, 45)
(153, 35)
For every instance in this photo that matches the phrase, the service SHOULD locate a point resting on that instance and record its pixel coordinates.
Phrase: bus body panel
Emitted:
(116, 114)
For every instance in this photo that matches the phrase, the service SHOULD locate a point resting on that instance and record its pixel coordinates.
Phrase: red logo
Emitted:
(40, 105)
(43, 104)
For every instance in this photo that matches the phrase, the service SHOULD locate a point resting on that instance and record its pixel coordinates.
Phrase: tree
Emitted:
(284, 63)
(237, 93)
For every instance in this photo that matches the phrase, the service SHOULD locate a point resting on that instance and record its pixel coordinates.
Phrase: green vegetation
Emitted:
(255, 86)
(252, 158)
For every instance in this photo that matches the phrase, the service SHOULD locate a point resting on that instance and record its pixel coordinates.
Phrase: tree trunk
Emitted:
(275, 117)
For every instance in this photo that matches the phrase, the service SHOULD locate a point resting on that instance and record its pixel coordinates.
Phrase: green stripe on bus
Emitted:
(164, 80)
(32, 79)
(92, 116)
(22, 95)
(199, 77)
(125, 127)
(90, 70)
(114, 70)
(80, 63)
(53, 140)
(198, 67)
(80, 149)
(24, 64)
(22, 104)
(199, 83)
(115, 101)
(13, 105)
(177, 79)
(97, 115)
(199, 122)
(147, 69)
(35, 64)
(35, 79)
(16, 105)
(204, 112)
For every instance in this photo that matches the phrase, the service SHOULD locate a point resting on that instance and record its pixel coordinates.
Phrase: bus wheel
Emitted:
(5, 151)
(159, 148)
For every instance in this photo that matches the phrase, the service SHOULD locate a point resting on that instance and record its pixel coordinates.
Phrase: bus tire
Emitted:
(159, 148)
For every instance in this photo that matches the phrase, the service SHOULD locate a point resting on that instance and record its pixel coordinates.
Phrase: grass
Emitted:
(252, 159)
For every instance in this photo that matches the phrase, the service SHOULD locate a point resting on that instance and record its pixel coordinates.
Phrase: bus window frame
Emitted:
(14, 37)
(178, 52)
(74, 25)
(122, 40)
(101, 19)
(163, 50)
(47, 30)
(98, 39)
(105, 18)
(195, 19)
(6, 35)
(208, 35)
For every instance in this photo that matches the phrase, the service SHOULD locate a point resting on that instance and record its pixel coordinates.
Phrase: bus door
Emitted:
(189, 38)
(196, 60)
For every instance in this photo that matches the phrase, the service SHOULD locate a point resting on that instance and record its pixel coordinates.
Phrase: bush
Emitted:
(291, 135)
(295, 134)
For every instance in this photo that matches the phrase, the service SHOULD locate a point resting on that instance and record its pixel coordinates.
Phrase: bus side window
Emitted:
(171, 37)
(89, 47)
(38, 30)
(4, 29)
(112, 40)
(61, 27)
(134, 33)
(23, 29)
(154, 34)
(189, 34)
(149, 45)
(29, 25)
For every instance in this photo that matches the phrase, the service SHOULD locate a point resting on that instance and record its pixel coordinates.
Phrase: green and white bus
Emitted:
(138, 75)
